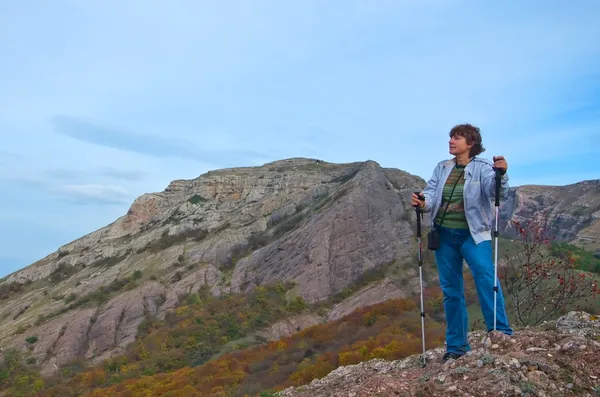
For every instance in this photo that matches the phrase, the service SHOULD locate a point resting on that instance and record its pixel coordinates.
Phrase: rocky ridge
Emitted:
(561, 358)
(317, 225)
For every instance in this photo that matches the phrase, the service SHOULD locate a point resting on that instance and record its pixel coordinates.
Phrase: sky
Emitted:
(103, 101)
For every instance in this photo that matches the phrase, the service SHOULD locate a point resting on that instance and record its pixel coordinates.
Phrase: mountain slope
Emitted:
(317, 225)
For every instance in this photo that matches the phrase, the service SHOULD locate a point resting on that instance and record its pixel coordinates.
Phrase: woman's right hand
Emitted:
(416, 202)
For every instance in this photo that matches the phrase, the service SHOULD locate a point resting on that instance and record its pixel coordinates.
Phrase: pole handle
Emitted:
(421, 197)
(498, 184)
(419, 214)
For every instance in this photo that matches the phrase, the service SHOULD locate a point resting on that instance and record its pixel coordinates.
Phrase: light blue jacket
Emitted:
(479, 194)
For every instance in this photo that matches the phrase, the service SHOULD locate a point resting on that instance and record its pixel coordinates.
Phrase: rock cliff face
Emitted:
(560, 359)
(315, 224)
(572, 211)
(318, 225)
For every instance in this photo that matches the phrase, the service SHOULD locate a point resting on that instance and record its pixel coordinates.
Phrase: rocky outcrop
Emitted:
(571, 213)
(362, 227)
(560, 359)
(89, 333)
(288, 327)
(376, 293)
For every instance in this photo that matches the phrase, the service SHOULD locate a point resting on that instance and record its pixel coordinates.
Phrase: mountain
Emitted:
(340, 235)
(315, 224)
(571, 212)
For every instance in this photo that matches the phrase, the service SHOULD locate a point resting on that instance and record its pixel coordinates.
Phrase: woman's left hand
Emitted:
(500, 163)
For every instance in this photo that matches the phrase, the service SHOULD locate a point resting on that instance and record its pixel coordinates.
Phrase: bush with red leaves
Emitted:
(540, 285)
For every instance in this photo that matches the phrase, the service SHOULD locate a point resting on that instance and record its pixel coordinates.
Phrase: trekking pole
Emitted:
(419, 215)
(498, 183)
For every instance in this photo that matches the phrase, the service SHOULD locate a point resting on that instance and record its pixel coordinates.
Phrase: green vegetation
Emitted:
(543, 278)
(167, 240)
(205, 348)
(31, 340)
(583, 260)
(366, 278)
(62, 272)
(8, 290)
(109, 261)
(579, 210)
(201, 328)
(70, 298)
(19, 377)
(197, 199)
(346, 177)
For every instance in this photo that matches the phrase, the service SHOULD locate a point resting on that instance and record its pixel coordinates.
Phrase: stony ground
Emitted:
(561, 358)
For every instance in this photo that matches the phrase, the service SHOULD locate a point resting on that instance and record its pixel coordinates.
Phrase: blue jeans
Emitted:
(456, 244)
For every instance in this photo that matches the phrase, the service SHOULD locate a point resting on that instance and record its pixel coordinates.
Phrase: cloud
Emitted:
(129, 175)
(81, 194)
(94, 194)
(126, 175)
(151, 145)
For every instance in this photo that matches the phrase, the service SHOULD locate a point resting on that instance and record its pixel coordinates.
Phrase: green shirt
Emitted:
(455, 215)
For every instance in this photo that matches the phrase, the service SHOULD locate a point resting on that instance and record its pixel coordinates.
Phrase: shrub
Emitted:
(542, 286)
(31, 339)
(70, 298)
(196, 199)
(9, 289)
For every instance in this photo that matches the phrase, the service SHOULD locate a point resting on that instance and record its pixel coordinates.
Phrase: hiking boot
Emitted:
(454, 356)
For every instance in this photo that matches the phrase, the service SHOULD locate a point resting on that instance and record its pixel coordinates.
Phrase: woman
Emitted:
(460, 197)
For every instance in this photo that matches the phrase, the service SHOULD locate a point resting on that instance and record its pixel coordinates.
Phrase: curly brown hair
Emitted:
(472, 135)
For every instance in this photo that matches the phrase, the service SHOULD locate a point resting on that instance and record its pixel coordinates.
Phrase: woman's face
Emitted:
(458, 145)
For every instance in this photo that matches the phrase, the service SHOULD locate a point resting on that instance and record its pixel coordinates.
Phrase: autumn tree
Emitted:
(539, 284)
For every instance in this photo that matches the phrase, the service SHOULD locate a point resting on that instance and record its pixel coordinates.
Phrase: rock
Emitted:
(486, 341)
(370, 295)
(514, 363)
(579, 324)
(515, 372)
(535, 349)
(572, 344)
(540, 378)
(520, 355)
(320, 255)
(289, 326)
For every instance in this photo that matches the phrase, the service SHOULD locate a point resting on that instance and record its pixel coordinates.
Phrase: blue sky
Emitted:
(102, 101)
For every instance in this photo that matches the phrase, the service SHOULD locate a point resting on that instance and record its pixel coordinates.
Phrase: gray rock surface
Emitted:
(572, 212)
(289, 326)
